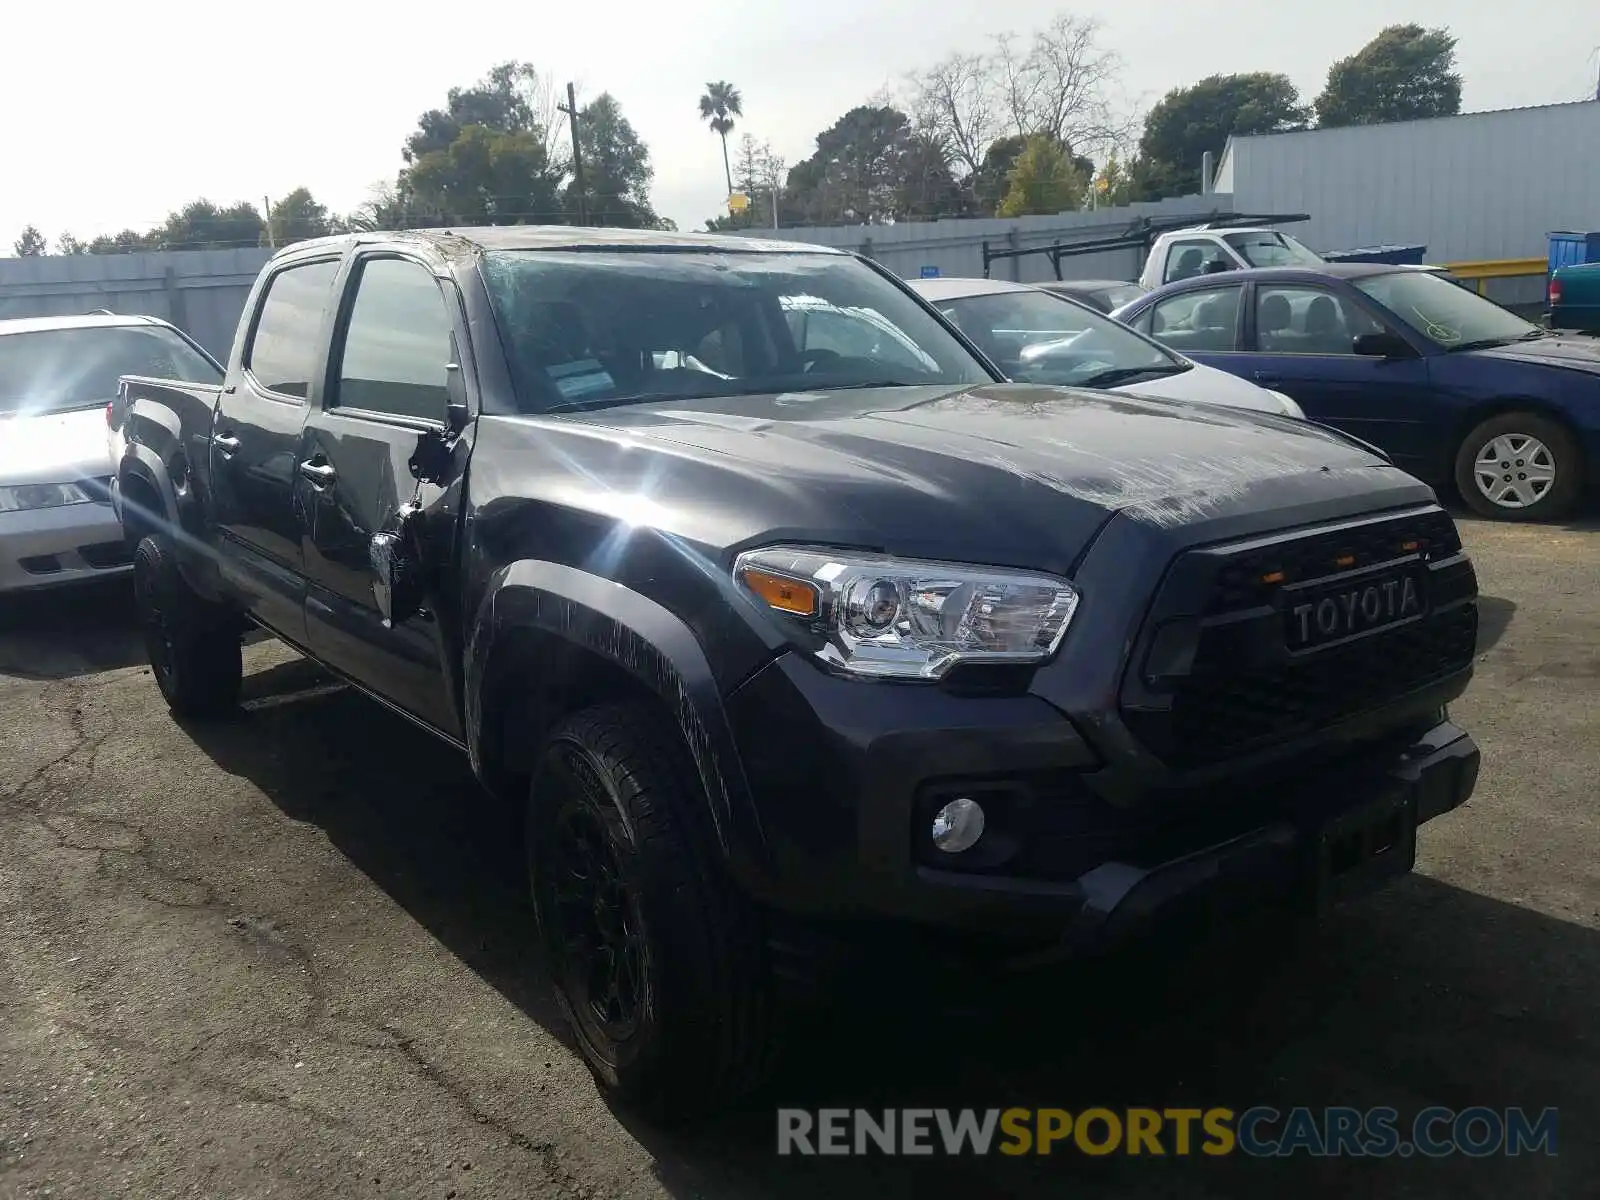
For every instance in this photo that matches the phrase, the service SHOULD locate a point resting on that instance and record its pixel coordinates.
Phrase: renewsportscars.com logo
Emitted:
(1259, 1132)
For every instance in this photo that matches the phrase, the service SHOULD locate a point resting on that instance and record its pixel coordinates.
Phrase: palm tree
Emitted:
(718, 107)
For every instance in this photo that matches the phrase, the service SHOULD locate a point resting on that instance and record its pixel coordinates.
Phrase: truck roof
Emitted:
(85, 321)
(570, 237)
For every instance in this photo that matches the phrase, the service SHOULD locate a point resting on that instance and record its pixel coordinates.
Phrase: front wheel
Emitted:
(195, 648)
(655, 956)
(1520, 467)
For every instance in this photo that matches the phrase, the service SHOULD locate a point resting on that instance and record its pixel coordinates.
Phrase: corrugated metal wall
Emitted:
(200, 291)
(955, 247)
(1478, 186)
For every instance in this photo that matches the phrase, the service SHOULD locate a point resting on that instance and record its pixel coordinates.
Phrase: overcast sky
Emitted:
(115, 114)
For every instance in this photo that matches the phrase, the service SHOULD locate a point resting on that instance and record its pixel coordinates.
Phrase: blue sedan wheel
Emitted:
(1520, 467)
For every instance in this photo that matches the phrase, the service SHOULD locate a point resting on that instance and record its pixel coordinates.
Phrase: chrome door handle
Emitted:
(226, 444)
(320, 474)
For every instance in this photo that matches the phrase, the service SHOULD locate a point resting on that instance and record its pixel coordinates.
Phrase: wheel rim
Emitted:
(157, 629)
(595, 937)
(1514, 470)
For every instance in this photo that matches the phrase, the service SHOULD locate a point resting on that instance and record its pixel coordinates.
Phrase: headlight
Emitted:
(41, 495)
(903, 619)
(1290, 408)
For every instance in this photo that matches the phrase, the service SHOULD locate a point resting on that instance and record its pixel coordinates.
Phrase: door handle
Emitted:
(320, 474)
(226, 444)
(1267, 378)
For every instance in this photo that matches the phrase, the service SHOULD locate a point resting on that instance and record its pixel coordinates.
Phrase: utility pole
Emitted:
(571, 109)
(266, 212)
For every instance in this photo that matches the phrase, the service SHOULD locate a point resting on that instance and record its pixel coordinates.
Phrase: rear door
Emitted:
(255, 433)
(1303, 335)
(386, 392)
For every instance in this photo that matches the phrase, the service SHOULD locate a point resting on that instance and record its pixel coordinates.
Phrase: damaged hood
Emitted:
(1009, 473)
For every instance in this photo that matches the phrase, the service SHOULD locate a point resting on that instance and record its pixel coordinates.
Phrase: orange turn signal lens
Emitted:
(793, 596)
(1345, 560)
(1272, 577)
(1408, 547)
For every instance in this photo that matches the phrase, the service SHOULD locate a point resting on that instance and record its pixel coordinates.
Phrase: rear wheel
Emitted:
(1520, 466)
(656, 957)
(195, 647)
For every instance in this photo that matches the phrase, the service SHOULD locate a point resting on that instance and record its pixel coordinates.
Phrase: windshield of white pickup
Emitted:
(56, 370)
(587, 329)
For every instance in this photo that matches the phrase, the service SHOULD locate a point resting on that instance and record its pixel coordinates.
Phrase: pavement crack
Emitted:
(434, 1074)
(81, 740)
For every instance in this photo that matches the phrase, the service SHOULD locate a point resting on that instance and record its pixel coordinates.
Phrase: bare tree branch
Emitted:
(955, 102)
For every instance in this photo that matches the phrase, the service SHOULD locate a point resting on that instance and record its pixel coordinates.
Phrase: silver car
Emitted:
(58, 376)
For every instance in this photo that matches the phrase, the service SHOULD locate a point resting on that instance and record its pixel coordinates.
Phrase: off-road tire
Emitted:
(195, 647)
(1564, 492)
(702, 1033)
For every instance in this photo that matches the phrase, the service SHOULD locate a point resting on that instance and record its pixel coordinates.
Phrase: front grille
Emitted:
(1238, 689)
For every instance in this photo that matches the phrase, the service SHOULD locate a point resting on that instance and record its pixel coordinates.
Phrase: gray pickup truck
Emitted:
(795, 646)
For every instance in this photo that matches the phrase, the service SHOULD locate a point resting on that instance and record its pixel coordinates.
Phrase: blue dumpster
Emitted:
(1573, 249)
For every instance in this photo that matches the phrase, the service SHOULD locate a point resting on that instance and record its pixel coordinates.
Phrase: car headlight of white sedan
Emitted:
(25, 496)
(895, 618)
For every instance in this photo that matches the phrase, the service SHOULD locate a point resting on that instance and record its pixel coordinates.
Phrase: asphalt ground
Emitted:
(290, 956)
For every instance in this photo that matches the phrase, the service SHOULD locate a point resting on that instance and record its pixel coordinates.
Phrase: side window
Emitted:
(283, 348)
(397, 343)
(1308, 320)
(1186, 259)
(1199, 321)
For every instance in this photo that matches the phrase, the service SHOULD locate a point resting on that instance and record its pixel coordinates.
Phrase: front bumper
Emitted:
(49, 547)
(847, 776)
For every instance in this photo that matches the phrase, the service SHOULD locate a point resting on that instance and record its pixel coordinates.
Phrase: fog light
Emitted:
(958, 826)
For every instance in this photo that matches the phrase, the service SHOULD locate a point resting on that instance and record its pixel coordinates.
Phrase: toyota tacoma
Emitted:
(781, 642)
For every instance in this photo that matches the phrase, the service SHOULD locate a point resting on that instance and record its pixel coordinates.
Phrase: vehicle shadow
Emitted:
(1426, 994)
(61, 633)
(1494, 618)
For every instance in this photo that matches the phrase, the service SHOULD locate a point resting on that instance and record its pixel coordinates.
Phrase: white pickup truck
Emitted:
(1203, 249)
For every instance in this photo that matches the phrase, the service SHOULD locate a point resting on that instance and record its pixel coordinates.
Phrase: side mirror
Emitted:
(1381, 345)
(397, 577)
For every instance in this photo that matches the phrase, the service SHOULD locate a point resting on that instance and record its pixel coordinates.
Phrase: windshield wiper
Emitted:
(1484, 343)
(1118, 375)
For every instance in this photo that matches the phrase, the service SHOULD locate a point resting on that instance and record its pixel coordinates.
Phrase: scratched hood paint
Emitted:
(1004, 473)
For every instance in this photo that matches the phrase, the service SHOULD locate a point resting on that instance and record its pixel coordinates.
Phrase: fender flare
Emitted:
(644, 639)
(179, 515)
(142, 463)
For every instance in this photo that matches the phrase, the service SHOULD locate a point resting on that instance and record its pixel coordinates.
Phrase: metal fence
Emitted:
(954, 248)
(200, 291)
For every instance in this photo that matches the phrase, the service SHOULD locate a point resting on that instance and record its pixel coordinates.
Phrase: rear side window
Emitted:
(283, 349)
(397, 344)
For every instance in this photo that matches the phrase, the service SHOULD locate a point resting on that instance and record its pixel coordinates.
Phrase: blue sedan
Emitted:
(1456, 389)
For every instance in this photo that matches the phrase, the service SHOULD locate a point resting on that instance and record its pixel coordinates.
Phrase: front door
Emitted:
(387, 389)
(1303, 340)
(255, 433)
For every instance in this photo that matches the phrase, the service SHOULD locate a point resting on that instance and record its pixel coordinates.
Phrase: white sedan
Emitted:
(1037, 336)
(57, 377)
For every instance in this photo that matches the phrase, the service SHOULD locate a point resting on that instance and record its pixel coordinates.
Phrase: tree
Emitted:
(1057, 84)
(858, 173)
(298, 217)
(129, 241)
(1043, 181)
(616, 168)
(484, 177)
(202, 225)
(31, 244)
(386, 207)
(1404, 74)
(1187, 122)
(719, 105)
(67, 244)
(488, 157)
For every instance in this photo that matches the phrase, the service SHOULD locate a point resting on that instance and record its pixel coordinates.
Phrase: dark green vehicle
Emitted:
(1575, 297)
